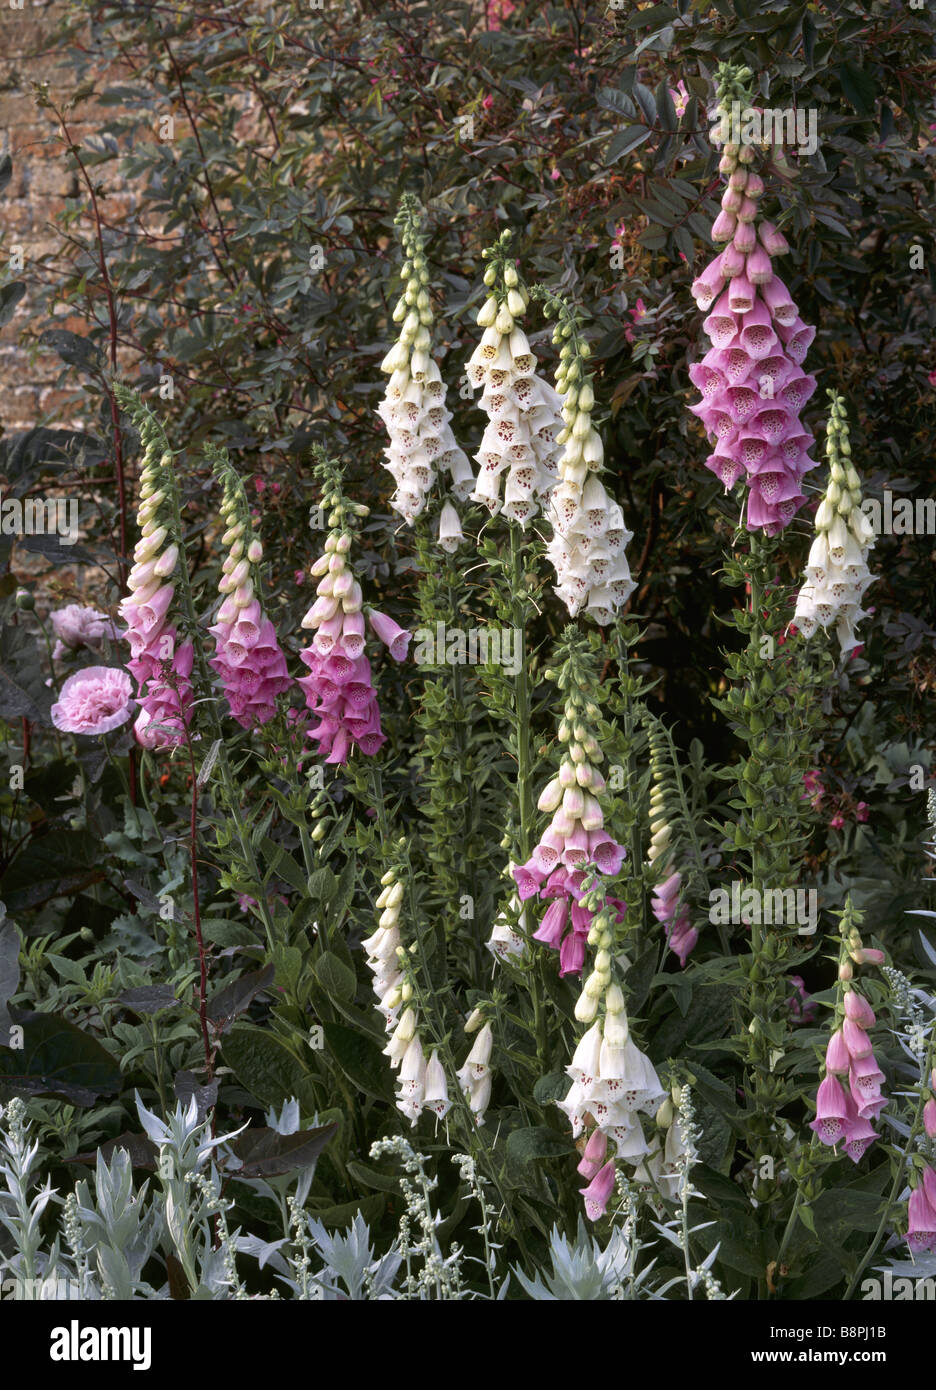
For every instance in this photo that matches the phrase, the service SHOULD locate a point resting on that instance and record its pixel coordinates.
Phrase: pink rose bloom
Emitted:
(837, 822)
(75, 626)
(93, 701)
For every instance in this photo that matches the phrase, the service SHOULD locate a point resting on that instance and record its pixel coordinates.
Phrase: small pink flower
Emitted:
(931, 378)
(861, 812)
(394, 637)
(488, 102)
(598, 1192)
(837, 822)
(94, 700)
(555, 174)
(259, 484)
(299, 577)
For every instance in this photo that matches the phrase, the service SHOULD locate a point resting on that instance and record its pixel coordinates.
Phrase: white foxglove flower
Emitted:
(450, 529)
(436, 1096)
(518, 453)
(422, 445)
(837, 573)
(589, 535)
(475, 1076)
(612, 1082)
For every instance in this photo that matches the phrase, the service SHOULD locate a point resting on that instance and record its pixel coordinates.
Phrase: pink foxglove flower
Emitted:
(598, 1192)
(921, 1214)
(248, 657)
(94, 700)
(576, 843)
(339, 688)
(844, 1116)
(668, 902)
(161, 668)
(751, 380)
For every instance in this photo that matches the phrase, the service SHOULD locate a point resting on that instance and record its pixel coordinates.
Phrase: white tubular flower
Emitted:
(475, 1076)
(837, 573)
(612, 1082)
(589, 535)
(421, 445)
(436, 1097)
(412, 1083)
(519, 445)
(450, 529)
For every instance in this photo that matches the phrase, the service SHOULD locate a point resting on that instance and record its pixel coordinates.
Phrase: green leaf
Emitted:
(360, 1059)
(265, 1153)
(859, 87)
(263, 1064)
(73, 350)
(10, 296)
(234, 998)
(525, 1146)
(626, 140)
(60, 1060)
(284, 866)
(335, 977)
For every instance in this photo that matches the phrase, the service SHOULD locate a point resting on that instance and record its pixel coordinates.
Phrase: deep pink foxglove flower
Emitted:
(598, 1192)
(94, 700)
(395, 638)
(921, 1214)
(672, 913)
(752, 385)
(596, 1151)
(831, 1111)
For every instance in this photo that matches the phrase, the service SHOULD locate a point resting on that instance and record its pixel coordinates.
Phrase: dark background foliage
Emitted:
(298, 129)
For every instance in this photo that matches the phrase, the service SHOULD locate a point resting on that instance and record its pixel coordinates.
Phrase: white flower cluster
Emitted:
(589, 535)
(475, 1076)
(837, 573)
(413, 409)
(519, 442)
(612, 1081)
(421, 1084)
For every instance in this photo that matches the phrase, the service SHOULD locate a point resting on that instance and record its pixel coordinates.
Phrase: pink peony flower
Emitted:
(75, 626)
(94, 700)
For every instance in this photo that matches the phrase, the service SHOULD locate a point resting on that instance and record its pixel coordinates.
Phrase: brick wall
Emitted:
(42, 180)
